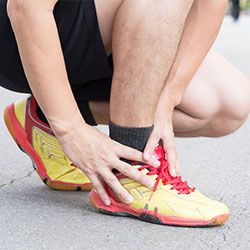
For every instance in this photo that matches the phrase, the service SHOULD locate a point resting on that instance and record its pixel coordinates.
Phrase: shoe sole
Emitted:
(121, 209)
(19, 135)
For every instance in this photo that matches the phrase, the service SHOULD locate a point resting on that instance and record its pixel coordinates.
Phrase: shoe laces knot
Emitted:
(162, 173)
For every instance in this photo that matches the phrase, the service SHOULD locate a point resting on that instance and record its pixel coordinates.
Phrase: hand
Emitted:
(163, 130)
(96, 155)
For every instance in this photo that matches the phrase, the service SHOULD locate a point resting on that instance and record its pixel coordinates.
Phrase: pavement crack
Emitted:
(242, 211)
(12, 181)
(224, 236)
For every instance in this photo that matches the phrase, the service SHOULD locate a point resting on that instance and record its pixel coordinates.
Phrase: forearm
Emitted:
(43, 62)
(202, 26)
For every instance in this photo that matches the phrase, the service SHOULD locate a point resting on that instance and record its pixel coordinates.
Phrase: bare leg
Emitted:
(100, 111)
(106, 12)
(216, 102)
(213, 105)
(142, 29)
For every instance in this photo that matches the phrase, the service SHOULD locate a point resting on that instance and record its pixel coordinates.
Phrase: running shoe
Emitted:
(36, 139)
(172, 201)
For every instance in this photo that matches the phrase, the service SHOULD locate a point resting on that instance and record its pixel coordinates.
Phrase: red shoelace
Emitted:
(162, 173)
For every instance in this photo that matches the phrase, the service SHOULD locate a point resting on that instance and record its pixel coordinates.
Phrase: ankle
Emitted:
(134, 137)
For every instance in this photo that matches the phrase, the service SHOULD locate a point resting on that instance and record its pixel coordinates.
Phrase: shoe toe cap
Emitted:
(212, 210)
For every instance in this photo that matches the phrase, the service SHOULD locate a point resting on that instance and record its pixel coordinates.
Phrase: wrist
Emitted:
(170, 98)
(62, 127)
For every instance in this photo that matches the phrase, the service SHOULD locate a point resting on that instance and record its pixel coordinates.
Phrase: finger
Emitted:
(172, 170)
(134, 174)
(178, 167)
(168, 142)
(98, 185)
(172, 163)
(116, 186)
(148, 154)
(133, 154)
(169, 148)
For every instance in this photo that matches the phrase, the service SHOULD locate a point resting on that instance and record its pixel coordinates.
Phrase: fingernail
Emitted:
(129, 199)
(157, 163)
(107, 202)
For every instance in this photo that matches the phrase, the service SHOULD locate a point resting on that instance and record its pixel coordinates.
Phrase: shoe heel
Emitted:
(8, 123)
(12, 126)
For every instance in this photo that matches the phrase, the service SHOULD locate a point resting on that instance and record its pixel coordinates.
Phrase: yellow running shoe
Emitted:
(171, 202)
(36, 139)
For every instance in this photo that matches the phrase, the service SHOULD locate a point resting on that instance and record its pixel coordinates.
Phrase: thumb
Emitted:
(148, 156)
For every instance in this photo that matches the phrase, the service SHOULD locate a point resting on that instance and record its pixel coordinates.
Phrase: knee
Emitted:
(237, 103)
(14, 7)
(174, 11)
(18, 10)
(234, 110)
(225, 126)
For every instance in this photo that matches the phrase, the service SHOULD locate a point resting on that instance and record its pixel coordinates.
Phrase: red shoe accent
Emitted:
(24, 140)
(118, 207)
(163, 174)
(122, 209)
(32, 119)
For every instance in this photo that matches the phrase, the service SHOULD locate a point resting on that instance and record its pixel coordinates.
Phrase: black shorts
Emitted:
(88, 67)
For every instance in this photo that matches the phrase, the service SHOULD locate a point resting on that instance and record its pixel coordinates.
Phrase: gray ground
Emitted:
(34, 217)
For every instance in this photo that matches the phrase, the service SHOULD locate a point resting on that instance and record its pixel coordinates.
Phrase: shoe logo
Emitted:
(47, 144)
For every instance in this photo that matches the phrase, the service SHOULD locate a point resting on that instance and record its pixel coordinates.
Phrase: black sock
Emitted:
(136, 138)
(41, 115)
(84, 109)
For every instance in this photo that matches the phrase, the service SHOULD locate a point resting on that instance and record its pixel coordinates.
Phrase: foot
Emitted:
(36, 139)
(171, 202)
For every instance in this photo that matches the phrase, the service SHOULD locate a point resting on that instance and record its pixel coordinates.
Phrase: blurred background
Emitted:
(238, 7)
